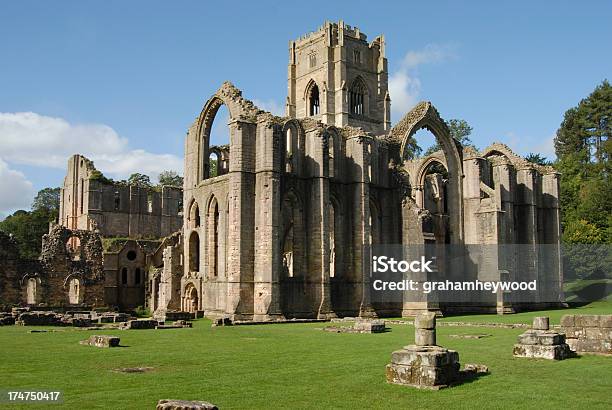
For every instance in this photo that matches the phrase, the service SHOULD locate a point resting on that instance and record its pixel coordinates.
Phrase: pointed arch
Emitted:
(358, 97)
(238, 108)
(194, 215)
(424, 115)
(312, 96)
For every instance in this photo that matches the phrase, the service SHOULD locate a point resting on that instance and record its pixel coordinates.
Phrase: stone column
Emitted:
(361, 205)
(267, 220)
(319, 202)
(241, 219)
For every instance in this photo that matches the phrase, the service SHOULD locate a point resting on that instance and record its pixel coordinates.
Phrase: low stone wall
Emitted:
(588, 333)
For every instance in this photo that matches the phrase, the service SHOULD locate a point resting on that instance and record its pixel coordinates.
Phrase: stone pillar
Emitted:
(318, 255)
(424, 365)
(267, 220)
(241, 220)
(425, 329)
(361, 211)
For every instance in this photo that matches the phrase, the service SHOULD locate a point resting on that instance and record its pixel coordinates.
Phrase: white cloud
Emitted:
(271, 106)
(37, 140)
(16, 192)
(404, 85)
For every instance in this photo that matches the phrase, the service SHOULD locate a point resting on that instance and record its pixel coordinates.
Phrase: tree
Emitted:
(459, 130)
(29, 227)
(583, 147)
(47, 198)
(170, 178)
(537, 159)
(140, 180)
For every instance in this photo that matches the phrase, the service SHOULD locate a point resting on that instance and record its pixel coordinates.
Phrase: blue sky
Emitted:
(121, 81)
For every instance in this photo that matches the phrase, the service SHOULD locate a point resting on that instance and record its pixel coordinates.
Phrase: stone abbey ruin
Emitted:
(273, 225)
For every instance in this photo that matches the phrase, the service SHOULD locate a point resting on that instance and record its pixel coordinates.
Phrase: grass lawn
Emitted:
(594, 308)
(292, 366)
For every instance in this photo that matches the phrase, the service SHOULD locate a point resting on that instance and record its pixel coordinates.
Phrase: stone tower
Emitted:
(339, 78)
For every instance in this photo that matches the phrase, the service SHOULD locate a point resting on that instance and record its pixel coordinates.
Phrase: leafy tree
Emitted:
(583, 149)
(460, 130)
(29, 227)
(537, 159)
(212, 166)
(140, 180)
(170, 178)
(47, 198)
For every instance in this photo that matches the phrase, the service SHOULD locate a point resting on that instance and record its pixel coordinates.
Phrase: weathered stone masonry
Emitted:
(278, 228)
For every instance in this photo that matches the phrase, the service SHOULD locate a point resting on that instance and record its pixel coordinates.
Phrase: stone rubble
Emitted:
(101, 341)
(185, 405)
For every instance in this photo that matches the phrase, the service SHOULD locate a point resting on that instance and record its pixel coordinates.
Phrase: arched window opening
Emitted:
(214, 163)
(32, 291)
(218, 136)
(357, 95)
(190, 300)
(313, 101)
(73, 247)
(194, 252)
(117, 199)
(137, 277)
(194, 216)
(74, 290)
(312, 59)
(213, 229)
(124, 276)
(150, 202)
(290, 145)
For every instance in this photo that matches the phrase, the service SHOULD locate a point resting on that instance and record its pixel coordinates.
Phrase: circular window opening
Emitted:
(131, 255)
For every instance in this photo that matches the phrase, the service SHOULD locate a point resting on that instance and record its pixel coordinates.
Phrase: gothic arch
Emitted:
(424, 115)
(312, 97)
(194, 217)
(238, 107)
(358, 97)
(426, 164)
(74, 285)
(294, 139)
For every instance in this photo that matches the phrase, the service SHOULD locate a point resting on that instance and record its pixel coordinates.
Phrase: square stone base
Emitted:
(430, 367)
(550, 352)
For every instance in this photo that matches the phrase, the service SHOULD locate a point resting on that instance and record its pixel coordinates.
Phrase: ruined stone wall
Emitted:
(90, 201)
(125, 270)
(588, 333)
(69, 273)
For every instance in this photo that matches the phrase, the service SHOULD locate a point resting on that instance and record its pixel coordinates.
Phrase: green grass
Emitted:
(594, 308)
(290, 366)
